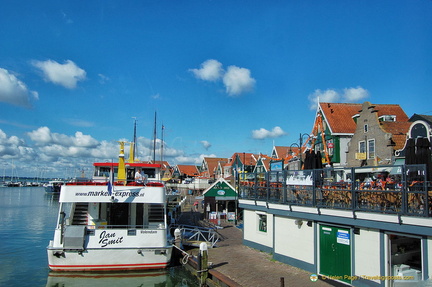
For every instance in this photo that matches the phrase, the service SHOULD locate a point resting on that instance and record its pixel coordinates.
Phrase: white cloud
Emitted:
(355, 94)
(15, 92)
(206, 144)
(211, 70)
(238, 80)
(43, 136)
(349, 95)
(10, 147)
(185, 160)
(66, 75)
(54, 154)
(328, 96)
(263, 133)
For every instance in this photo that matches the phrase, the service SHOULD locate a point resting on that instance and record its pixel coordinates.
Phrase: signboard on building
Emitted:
(276, 165)
(360, 155)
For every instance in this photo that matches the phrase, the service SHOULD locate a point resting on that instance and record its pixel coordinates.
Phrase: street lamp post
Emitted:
(300, 146)
(299, 152)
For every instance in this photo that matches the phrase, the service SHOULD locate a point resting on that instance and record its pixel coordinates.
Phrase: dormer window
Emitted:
(387, 118)
(355, 117)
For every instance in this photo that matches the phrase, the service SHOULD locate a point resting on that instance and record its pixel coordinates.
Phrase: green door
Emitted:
(335, 253)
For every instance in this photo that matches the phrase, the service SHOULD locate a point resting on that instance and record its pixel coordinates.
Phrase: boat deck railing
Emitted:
(401, 189)
(118, 183)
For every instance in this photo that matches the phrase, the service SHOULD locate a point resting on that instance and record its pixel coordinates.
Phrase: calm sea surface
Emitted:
(27, 220)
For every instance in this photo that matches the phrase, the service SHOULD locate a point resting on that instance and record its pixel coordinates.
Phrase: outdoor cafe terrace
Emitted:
(401, 189)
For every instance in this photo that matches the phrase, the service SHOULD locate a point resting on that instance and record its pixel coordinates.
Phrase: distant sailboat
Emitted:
(14, 178)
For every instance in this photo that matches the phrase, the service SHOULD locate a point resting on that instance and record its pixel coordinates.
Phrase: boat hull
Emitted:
(115, 259)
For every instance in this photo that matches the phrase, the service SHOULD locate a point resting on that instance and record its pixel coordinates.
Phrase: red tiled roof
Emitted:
(339, 115)
(282, 151)
(285, 151)
(248, 158)
(398, 131)
(190, 170)
(212, 163)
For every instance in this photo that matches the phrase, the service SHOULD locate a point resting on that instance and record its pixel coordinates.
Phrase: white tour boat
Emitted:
(112, 225)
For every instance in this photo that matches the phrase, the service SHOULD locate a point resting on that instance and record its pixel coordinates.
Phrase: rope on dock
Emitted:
(186, 255)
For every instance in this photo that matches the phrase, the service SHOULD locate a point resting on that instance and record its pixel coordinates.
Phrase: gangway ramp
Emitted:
(195, 235)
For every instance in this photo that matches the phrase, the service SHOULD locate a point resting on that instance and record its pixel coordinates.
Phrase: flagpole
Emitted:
(111, 179)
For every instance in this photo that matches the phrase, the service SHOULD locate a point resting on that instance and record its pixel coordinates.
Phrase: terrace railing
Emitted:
(400, 189)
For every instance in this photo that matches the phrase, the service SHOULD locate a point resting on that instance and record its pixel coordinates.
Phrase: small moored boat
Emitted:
(53, 186)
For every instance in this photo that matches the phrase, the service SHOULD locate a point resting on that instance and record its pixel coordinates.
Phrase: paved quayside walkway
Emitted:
(247, 266)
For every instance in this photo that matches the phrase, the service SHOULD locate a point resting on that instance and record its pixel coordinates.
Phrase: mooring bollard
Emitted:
(177, 238)
(203, 263)
(282, 282)
(177, 234)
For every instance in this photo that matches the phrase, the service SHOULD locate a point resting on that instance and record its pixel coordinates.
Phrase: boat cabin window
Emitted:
(150, 172)
(137, 215)
(118, 214)
(102, 171)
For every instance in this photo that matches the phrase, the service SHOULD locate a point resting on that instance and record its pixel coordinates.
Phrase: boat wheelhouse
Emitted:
(102, 171)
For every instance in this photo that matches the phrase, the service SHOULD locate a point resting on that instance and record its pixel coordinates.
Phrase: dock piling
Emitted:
(203, 264)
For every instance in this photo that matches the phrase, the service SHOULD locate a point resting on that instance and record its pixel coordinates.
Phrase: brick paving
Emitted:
(247, 266)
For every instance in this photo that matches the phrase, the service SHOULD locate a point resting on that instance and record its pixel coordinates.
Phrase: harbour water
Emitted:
(27, 220)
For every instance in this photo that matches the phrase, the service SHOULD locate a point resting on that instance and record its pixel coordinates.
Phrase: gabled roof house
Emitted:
(209, 166)
(336, 123)
(380, 130)
(183, 171)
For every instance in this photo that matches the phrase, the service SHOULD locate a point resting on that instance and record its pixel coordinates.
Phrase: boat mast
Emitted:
(154, 140)
(162, 142)
(134, 138)
(133, 148)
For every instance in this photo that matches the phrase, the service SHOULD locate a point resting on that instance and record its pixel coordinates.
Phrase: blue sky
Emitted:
(223, 76)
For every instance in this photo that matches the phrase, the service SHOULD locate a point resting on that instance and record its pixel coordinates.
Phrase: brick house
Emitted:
(380, 130)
